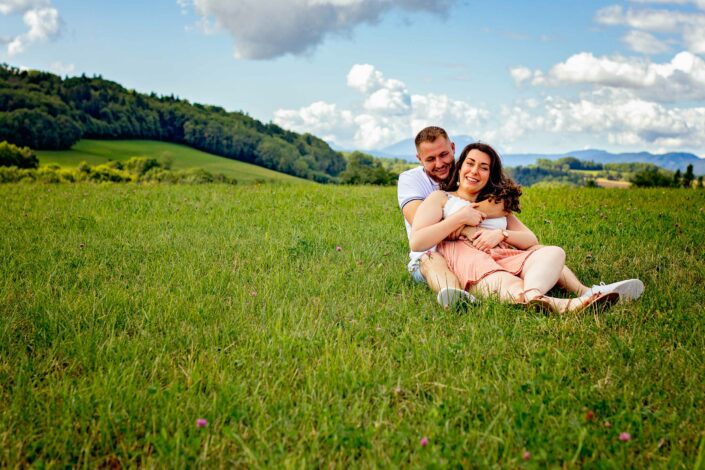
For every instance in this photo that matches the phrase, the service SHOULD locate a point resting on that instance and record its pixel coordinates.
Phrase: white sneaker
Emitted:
(450, 296)
(628, 290)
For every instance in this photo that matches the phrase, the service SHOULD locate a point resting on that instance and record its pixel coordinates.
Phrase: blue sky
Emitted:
(538, 76)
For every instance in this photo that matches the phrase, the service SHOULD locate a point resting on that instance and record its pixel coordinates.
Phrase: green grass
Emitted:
(127, 312)
(183, 157)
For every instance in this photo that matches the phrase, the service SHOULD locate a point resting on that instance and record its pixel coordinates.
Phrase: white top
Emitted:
(455, 203)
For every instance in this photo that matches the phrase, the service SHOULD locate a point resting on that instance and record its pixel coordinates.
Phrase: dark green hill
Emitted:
(46, 112)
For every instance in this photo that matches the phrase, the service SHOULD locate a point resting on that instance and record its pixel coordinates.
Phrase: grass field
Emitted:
(128, 312)
(101, 151)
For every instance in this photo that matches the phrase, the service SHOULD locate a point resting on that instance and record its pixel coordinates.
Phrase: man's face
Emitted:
(437, 158)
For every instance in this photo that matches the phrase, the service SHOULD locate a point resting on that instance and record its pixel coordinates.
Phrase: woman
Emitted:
(487, 264)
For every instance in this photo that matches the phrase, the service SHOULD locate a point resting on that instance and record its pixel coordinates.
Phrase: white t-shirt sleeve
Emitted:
(411, 187)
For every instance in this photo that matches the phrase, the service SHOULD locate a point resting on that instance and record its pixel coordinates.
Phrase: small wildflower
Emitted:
(253, 293)
(424, 441)
(625, 436)
(607, 424)
(81, 245)
(201, 423)
(589, 416)
(527, 455)
(338, 248)
(397, 390)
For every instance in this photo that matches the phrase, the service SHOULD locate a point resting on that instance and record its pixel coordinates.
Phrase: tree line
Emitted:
(43, 111)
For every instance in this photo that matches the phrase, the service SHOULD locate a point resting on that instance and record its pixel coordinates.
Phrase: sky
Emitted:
(541, 76)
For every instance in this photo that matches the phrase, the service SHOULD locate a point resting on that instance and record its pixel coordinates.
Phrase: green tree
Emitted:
(688, 177)
(651, 177)
(677, 179)
(21, 157)
(365, 169)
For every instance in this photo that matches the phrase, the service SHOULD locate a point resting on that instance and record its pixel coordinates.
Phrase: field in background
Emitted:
(283, 315)
(182, 156)
(605, 183)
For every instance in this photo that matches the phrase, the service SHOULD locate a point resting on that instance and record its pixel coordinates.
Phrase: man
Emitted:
(436, 154)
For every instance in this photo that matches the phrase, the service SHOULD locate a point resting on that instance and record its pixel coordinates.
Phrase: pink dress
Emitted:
(471, 265)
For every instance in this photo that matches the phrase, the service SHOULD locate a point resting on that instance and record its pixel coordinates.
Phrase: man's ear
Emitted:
(452, 146)
(418, 158)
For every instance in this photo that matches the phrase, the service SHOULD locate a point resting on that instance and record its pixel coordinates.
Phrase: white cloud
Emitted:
(683, 78)
(42, 20)
(8, 7)
(613, 116)
(386, 114)
(60, 68)
(645, 43)
(688, 25)
(265, 29)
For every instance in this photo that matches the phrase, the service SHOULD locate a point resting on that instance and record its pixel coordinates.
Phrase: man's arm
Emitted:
(492, 209)
(409, 210)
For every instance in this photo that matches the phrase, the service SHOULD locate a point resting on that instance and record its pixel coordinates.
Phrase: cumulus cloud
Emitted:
(626, 119)
(387, 112)
(42, 20)
(683, 78)
(265, 29)
(607, 115)
(689, 26)
(645, 43)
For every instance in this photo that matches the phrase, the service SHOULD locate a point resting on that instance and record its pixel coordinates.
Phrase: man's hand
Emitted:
(485, 240)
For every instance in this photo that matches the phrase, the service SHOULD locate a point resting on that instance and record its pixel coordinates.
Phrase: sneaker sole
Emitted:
(447, 297)
(630, 290)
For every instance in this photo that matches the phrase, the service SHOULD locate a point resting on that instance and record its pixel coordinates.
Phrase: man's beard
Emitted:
(451, 170)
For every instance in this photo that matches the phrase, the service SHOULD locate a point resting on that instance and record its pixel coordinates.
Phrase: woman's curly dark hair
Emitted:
(499, 187)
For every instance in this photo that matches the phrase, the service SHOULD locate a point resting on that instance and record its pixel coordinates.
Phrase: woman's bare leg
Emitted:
(570, 282)
(542, 270)
(435, 270)
(507, 286)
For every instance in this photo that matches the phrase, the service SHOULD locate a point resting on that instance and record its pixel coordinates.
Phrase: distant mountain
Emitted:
(406, 150)
(670, 161)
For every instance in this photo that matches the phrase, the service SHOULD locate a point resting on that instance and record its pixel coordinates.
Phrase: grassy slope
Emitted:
(101, 151)
(130, 311)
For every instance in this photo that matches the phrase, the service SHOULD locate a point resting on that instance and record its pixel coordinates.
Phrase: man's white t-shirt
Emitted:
(414, 185)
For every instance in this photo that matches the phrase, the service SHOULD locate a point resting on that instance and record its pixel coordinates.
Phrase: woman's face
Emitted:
(475, 172)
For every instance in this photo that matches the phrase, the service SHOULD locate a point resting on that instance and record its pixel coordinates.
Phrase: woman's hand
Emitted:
(485, 240)
(468, 215)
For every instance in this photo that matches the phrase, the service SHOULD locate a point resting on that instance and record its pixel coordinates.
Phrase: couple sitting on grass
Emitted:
(466, 240)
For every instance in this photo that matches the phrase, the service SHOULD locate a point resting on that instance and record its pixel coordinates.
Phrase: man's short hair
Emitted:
(430, 134)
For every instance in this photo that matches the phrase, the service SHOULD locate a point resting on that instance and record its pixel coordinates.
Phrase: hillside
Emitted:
(46, 112)
(181, 157)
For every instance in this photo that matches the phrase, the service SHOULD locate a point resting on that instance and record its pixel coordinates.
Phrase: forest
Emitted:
(43, 111)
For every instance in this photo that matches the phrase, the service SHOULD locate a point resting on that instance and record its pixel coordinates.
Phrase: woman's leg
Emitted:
(509, 287)
(542, 270)
(435, 270)
(570, 282)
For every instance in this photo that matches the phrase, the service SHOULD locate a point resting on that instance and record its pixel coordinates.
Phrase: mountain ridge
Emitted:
(670, 160)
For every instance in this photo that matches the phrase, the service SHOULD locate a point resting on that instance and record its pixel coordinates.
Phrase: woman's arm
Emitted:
(519, 234)
(430, 228)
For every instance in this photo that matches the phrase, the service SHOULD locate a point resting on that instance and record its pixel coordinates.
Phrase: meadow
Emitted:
(182, 157)
(283, 316)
